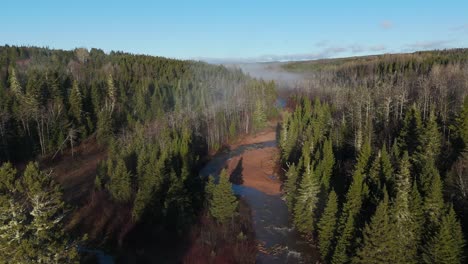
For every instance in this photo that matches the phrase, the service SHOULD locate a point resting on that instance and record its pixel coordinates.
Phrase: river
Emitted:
(279, 242)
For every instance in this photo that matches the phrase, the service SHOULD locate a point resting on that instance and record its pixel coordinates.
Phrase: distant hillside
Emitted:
(418, 62)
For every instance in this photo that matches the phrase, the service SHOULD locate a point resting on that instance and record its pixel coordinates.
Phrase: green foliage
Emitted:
(358, 190)
(104, 126)
(326, 164)
(430, 139)
(306, 202)
(75, 101)
(110, 93)
(31, 219)
(389, 100)
(404, 223)
(259, 116)
(434, 203)
(411, 131)
(343, 251)
(120, 182)
(224, 203)
(379, 242)
(327, 226)
(461, 127)
(290, 186)
(417, 215)
(447, 245)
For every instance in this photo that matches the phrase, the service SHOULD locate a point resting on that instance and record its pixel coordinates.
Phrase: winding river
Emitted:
(279, 242)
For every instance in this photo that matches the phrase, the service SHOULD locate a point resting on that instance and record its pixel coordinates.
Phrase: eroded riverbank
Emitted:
(252, 165)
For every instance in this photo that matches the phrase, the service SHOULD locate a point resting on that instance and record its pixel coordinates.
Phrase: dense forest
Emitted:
(376, 164)
(104, 151)
(155, 120)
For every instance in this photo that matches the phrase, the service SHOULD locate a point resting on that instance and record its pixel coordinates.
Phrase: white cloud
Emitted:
(386, 24)
(463, 27)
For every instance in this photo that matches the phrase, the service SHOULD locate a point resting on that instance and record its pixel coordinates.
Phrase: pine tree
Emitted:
(417, 215)
(209, 188)
(426, 174)
(75, 101)
(403, 222)
(434, 203)
(290, 187)
(259, 116)
(32, 220)
(344, 250)
(403, 187)
(411, 131)
(386, 169)
(7, 178)
(374, 182)
(446, 246)
(327, 163)
(104, 126)
(327, 226)
(306, 202)
(224, 203)
(15, 85)
(430, 140)
(120, 185)
(461, 127)
(111, 94)
(379, 243)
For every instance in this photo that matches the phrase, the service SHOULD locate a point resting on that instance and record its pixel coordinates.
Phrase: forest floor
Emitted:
(76, 173)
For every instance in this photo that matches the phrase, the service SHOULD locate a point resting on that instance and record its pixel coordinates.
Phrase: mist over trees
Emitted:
(157, 119)
(395, 123)
(374, 151)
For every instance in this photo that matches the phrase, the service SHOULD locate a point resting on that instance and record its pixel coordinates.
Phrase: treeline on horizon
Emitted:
(156, 118)
(377, 161)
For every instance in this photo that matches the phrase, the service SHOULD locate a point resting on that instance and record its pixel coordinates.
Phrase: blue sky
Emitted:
(238, 29)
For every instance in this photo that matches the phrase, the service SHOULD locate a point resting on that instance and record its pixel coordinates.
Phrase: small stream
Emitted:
(270, 216)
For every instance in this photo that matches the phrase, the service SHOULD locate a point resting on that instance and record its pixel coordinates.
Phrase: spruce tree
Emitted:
(426, 174)
(15, 85)
(358, 190)
(104, 126)
(374, 182)
(417, 215)
(259, 116)
(290, 187)
(75, 101)
(343, 252)
(411, 130)
(120, 185)
(306, 202)
(224, 203)
(429, 139)
(327, 226)
(209, 187)
(379, 242)
(32, 215)
(403, 221)
(447, 245)
(461, 127)
(403, 187)
(327, 163)
(434, 203)
(386, 169)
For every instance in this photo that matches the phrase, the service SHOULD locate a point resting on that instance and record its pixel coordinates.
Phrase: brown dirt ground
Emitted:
(76, 174)
(259, 166)
(268, 134)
